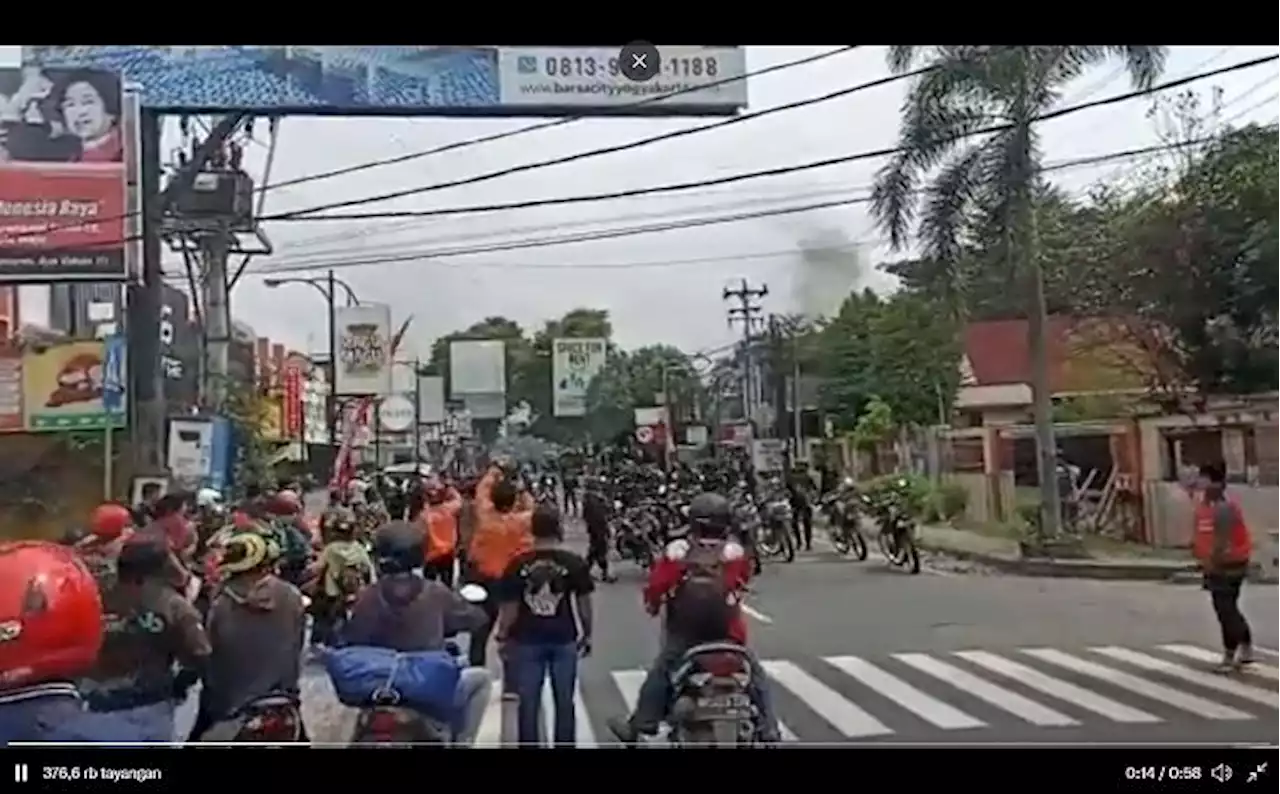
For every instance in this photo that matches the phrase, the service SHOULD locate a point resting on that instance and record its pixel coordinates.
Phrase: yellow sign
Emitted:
(62, 388)
(271, 424)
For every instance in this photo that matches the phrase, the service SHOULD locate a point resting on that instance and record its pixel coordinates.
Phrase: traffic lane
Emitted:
(831, 609)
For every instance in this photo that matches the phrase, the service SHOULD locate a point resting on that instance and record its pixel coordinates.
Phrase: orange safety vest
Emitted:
(1239, 545)
(442, 528)
(498, 538)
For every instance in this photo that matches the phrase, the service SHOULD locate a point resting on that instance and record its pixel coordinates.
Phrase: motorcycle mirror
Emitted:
(473, 593)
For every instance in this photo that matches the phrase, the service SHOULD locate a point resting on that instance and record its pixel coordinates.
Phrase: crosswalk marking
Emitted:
(584, 734)
(1054, 687)
(924, 706)
(1001, 698)
(1197, 677)
(1149, 689)
(490, 732)
(840, 713)
(1203, 655)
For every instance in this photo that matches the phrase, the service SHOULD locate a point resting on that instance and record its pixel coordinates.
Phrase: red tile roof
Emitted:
(998, 354)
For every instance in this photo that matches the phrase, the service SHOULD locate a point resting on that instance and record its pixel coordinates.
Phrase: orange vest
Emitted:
(442, 528)
(1239, 545)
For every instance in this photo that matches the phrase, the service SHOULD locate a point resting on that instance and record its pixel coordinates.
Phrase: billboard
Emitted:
(574, 363)
(364, 350)
(62, 176)
(415, 80)
(62, 388)
(477, 366)
(431, 402)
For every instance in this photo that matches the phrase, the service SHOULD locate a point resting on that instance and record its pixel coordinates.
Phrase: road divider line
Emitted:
(1198, 677)
(1205, 655)
(829, 704)
(926, 707)
(756, 614)
(1062, 690)
(1141, 686)
(1003, 699)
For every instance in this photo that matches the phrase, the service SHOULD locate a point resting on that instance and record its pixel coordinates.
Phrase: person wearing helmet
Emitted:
(502, 531)
(407, 613)
(291, 534)
(344, 569)
(50, 634)
(169, 523)
(110, 525)
(701, 579)
(256, 626)
(148, 629)
(440, 519)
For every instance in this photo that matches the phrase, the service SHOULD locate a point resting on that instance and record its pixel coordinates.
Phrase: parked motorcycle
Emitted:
(841, 507)
(632, 536)
(897, 536)
(775, 539)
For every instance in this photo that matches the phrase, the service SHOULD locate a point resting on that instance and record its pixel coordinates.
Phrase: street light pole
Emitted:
(331, 294)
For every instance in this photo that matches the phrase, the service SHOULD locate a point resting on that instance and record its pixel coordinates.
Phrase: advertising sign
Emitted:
(62, 388)
(223, 457)
(62, 179)
(11, 418)
(574, 363)
(293, 396)
(395, 413)
(271, 422)
(190, 456)
(114, 377)
(364, 349)
(769, 455)
(409, 80)
(477, 366)
(431, 405)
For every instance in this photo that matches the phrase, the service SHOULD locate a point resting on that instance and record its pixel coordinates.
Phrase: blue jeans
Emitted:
(529, 665)
(153, 723)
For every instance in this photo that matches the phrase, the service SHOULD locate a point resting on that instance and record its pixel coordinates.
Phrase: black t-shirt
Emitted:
(542, 583)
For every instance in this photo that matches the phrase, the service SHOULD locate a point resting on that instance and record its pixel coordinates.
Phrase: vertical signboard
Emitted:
(190, 456)
(364, 350)
(11, 418)
(431, 402)
(293, 397)
(62, 388)
(131, 122)
(114, 374)
(478, 376)
(574, 363)
(62, 179)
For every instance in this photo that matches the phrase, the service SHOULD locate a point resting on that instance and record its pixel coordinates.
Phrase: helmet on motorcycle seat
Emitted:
(397, 547)
(285, 503)
(50, 614)
(110, 520)
(710, 514)
(208, 497)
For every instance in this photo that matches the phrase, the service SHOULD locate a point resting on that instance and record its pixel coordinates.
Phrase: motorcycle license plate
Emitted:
(732, 704)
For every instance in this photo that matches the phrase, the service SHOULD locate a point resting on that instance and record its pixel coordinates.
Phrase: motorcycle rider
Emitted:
(407, 613)
(291, 534)
(709, 612)
(51, 616)
(147, 629)
(502, 532)
(110, 525)
(344, 569)
(596, 509)
(440, 516)
(256, 626)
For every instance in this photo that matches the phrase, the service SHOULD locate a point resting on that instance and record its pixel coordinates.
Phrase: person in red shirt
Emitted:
(701, 579)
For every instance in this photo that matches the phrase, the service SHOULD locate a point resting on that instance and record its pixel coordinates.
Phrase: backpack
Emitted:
(351, 579)
(700, 608)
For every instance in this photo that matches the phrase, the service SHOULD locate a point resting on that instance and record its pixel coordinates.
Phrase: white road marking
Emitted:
(926, 707)
(829, 704)
(1057, 688)
(628, 683)
(1149, 689)
(490, 732)
(1267, 652)
(584, 735)
(752, 612)
(1204, 655)
(1198, 677)
(997, 696)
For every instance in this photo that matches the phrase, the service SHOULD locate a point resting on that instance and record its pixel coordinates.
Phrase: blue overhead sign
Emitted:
(417, 80)
(114, 374)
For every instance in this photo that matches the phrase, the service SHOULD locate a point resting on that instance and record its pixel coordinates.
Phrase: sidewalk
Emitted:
(1002, 554)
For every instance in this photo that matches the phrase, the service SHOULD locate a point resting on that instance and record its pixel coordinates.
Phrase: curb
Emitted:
(1067, 569)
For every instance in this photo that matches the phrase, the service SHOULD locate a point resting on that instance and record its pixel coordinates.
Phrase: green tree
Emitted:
(635, 379)
(990, 183)
(875, 426)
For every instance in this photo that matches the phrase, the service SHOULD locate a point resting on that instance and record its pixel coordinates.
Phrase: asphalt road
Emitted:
(858, 652)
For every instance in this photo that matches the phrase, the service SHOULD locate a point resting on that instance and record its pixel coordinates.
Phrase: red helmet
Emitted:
(50, 614)
(286, 503)
(110, 520)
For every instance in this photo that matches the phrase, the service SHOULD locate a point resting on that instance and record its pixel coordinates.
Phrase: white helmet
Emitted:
(208, 497)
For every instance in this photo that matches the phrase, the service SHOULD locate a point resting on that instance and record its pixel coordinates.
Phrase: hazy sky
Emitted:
(676, 303)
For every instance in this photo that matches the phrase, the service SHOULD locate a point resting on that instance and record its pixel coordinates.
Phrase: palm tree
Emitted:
(986, 182)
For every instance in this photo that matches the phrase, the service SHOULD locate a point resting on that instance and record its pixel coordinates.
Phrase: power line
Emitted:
(733, 178)
(579, 156)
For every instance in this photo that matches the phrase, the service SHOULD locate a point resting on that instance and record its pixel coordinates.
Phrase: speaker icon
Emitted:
(1220, 773)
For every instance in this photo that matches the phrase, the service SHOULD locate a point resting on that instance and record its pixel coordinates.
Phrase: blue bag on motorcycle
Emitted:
(426, 680)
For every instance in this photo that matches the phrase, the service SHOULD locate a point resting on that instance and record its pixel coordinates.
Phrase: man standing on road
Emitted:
(799, 488)
(595, 514)
(1222, 546)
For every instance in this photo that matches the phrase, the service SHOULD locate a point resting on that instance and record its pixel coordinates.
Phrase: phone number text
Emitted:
(589, 66)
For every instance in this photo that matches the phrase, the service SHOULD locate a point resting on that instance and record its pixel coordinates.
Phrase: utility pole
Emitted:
(217, 317)
(745, 308)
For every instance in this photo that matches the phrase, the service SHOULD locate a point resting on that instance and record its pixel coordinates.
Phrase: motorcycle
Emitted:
(712, 706)
(631, 538)
(275, 718)
(387, 721)
(897, 535)
(841, 510)
(775, 539)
